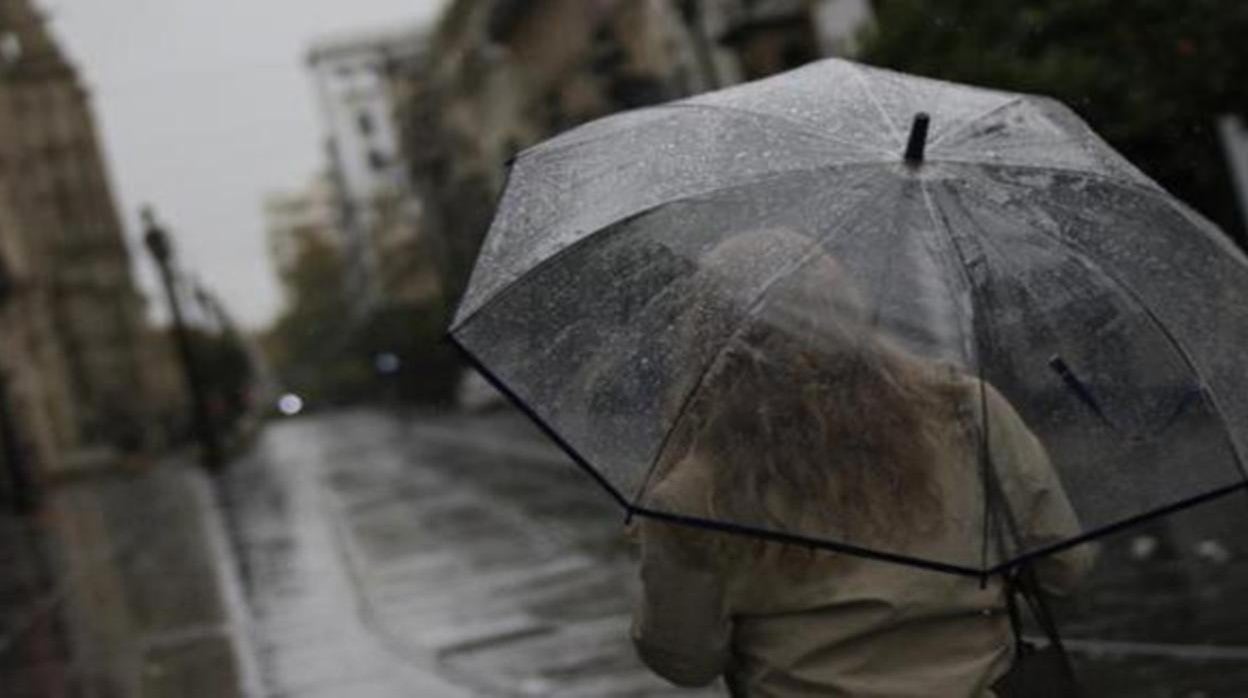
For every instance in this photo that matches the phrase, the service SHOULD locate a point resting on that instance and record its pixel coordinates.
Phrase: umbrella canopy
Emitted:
(807, 269)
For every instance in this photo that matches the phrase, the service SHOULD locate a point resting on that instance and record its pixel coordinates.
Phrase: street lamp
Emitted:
(161, 249)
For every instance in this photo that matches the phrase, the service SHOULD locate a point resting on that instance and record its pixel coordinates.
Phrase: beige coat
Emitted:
(867, 628)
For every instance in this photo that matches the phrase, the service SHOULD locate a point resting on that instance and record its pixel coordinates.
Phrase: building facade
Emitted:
(37, 420)
(355, 77)
(500, 83)
(81, 313)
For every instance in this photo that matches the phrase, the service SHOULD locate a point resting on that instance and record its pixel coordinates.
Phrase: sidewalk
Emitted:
(122, 585)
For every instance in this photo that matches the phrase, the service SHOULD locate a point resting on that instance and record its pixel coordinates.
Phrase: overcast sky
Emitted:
(203, 106)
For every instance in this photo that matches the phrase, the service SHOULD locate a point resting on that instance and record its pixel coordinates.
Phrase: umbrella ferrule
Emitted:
(918, 138)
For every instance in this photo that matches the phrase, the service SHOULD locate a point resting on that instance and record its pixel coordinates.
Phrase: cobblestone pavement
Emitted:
(463, 555)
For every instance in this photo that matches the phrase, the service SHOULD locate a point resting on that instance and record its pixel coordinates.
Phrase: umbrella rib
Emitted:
(1142, 187)
(939, 221)
(753, 306)
(647, 209)
(866, 88)
(789, 124)
(974, 120)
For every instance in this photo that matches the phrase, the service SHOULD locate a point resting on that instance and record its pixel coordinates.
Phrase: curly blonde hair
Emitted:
(825, 431)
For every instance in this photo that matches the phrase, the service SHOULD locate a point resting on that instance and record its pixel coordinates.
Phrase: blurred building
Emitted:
(37, 420)
(296, 219)
(355, 77)
(506, 74)
(83, 355)
(771, 36)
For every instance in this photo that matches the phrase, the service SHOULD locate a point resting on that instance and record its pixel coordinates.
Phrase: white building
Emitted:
(354, 77)
(294, 220)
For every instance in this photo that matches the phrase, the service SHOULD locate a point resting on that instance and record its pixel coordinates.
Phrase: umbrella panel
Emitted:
(1109, 389)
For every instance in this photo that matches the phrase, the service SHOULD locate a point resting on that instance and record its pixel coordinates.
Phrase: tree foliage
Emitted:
(308, 343)
(328, 352)
(1151, 76)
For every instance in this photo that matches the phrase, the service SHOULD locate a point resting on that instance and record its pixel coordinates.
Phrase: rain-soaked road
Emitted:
(463, 556)
(449, 556)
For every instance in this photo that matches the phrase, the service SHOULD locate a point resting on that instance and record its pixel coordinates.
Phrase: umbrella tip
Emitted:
(918, 138)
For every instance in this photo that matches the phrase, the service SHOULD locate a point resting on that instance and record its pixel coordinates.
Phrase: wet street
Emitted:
(464, 556)
(439, 556)
(379, 555)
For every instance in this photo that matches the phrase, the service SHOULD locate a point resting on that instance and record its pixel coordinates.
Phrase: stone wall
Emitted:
(83, 315)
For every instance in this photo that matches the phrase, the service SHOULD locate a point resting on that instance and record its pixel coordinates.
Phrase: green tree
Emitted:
(1151, 76)
(427, 368)
(324, 350)
(310, 343)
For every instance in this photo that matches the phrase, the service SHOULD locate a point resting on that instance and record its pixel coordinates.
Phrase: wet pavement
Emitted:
(437, 556)
(372, 555)
(463, 555)
(1164, 613)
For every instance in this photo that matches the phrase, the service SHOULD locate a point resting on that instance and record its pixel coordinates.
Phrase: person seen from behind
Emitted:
(823, 426)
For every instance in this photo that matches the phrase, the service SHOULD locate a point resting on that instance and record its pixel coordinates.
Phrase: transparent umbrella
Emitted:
(879, 275)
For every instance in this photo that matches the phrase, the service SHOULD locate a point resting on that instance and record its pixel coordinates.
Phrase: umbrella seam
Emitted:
(861, 78)
(985, 461)
(976, 119)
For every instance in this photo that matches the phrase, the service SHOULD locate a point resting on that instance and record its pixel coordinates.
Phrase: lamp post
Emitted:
(161, 249)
